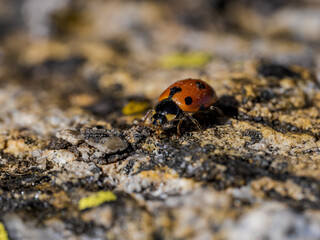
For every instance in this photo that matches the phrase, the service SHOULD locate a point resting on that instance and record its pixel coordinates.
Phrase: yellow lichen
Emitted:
(96, 199)
(135, 107)
(3, 233)
(185, 60)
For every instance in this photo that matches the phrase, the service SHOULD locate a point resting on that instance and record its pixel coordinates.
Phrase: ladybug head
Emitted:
(158, 119)
(165, 111)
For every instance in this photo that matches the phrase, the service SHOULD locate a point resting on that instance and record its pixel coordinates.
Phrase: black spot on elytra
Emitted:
(188, 100)
(174, 90)
(200, 85)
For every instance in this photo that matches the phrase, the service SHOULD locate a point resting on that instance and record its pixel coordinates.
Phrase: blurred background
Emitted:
(82, 52)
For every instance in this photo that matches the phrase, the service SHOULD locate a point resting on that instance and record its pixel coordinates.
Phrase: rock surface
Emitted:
(77, 78)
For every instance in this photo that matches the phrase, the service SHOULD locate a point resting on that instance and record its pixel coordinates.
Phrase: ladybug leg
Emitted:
(179, 126)
(146, 117)
(218, 110)
(193, 120)
(158, 131)
(187, 115)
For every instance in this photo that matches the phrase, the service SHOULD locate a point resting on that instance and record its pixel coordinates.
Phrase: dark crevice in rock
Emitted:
(279, 126)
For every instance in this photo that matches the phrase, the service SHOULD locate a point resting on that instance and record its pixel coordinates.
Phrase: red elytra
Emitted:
(190, 95)
(180, 100)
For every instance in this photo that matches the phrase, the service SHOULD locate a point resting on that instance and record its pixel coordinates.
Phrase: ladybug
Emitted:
(180, 101)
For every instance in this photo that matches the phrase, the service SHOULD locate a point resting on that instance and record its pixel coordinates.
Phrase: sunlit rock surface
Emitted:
(77, 78)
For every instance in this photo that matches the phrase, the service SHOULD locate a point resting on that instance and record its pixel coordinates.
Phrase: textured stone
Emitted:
(68, 132)
(109, 144)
